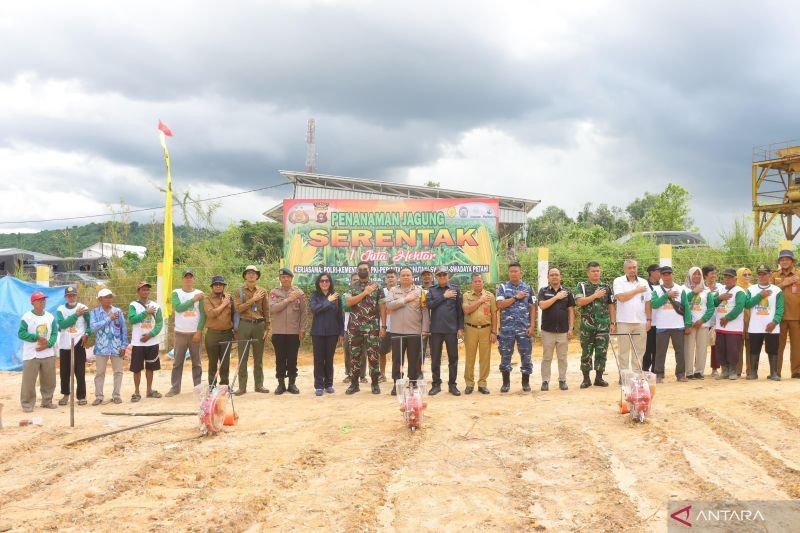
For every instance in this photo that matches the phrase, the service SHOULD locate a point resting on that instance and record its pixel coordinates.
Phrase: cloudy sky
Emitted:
(568, 102)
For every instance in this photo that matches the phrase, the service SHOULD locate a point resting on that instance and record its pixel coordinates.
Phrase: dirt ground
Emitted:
(558, 460)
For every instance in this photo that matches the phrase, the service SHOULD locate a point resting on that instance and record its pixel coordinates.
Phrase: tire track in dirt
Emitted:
(737, 436)
(791, 420)
(572, 457)
(376, 473)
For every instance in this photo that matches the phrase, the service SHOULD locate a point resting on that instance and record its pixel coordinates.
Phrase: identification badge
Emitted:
(190, 313)
(72, 329)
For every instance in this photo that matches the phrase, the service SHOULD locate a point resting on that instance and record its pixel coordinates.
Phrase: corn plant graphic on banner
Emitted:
(334, 235)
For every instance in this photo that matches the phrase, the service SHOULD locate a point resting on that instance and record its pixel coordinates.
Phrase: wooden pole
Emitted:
(108, 433)
(163, 413)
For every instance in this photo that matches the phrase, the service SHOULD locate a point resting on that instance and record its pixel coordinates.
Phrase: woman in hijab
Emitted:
(743, 278)
(698, 313)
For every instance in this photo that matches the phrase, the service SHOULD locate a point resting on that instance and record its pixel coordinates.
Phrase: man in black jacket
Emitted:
(447, 324)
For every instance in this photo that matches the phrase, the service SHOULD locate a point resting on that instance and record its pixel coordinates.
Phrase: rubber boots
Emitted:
(587, 381)
(506, 382)
(526, 385)
(773, 367)
(598, 379)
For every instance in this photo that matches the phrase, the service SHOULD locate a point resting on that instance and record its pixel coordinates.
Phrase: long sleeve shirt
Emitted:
(110, 335)
(407, 317)
(447, 314)
(190, 316)
(251, 310)
(288, 317)
(221, 320)
(328, 316)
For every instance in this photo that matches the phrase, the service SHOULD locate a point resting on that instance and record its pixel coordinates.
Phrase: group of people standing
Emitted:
(411, 321)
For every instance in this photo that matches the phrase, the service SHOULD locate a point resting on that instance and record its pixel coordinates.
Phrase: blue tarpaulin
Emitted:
(15, 300)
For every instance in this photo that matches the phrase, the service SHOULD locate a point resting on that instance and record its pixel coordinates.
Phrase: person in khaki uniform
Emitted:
(789, 282)
(219, 330)
(251, 303)
(480, 332)
(288, 310)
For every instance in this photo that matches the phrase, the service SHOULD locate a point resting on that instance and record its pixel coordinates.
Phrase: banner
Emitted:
(334, 235)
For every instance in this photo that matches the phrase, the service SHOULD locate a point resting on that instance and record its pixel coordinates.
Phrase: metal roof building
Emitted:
(513, 211)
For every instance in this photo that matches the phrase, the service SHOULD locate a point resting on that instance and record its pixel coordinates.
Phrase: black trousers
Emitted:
(286, 347)
(649, 357)
(324, 348)
(80, 370)
(770, 342)
(451, 341)
(406, 347)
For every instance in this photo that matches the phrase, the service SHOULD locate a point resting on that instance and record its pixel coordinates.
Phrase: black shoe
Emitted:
(752, 375)
(454, 390)
(562, 385)
(292, 387)
(598, 379)
(545, 386)
(394, 390)
(483, 390)
(376, 388)
(587, 381)
(691, 376)
(506, 382)
(796, 375)
(281, 388)
(698, 375)
(435, 389)
(526, 382)
(353, 388)
(468, 390)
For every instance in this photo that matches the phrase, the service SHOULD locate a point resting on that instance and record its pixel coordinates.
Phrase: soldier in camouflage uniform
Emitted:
(363, 329)
(596, 302)
(516, 303)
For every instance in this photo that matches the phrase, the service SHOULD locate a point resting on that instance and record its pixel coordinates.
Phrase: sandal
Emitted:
(64, 400)
(154, 394)
(135, 398)
(97, 401)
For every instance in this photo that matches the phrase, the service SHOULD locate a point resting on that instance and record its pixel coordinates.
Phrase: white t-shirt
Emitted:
(723, 308)
(665, 317)
(631, 311)
(75, 331)
(189, 320)
(698, 305)
(764, 311)
(145, 326)
(41, 326)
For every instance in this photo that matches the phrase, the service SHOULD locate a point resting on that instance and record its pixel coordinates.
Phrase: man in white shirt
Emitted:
(190, 319)
(669, 306)
(632, 297)
(38, 331)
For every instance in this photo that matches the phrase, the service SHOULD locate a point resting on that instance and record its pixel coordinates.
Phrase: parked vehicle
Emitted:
(678, 239)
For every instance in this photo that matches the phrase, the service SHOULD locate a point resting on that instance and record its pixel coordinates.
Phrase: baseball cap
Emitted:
(786, 253)
(253, 268)
(285, 272)
(142, 284)
(653, 268)
(188, 273)
(218, 280)
(666, 270)
(729, 273)
(38, 295)
(70, 289)
(763, 268)
(426, 269)
(442, 270)
(104, 292)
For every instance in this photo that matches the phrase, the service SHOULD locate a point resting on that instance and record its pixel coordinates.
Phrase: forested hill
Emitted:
(70, 241)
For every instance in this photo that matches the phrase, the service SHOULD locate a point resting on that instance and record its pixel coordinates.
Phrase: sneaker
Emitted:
(318, 392)
(562, 385)
(329, 390)
(733, 376)
(545, 386)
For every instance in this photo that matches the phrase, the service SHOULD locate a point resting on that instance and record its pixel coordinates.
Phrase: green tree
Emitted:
(261, 241)
(548, 227)
(670, 211)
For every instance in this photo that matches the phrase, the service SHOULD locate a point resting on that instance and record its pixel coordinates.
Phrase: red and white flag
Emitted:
(164, 129)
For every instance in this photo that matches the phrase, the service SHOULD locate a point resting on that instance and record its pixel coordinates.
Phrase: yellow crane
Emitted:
(776, 188)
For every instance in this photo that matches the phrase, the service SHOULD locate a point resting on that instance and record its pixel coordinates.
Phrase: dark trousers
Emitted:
(771, 342)
(80, 371)
(649, 358)
(451, 341)
(663, 337)
(408, 348)
(286, 347)
(324, 348)
(729, 346)
(216, 351)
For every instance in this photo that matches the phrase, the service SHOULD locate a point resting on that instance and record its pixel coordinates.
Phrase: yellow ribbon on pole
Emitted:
(167, 267)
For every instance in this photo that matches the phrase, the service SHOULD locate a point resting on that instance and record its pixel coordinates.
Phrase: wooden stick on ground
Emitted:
(101, 435)
(162, 413)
